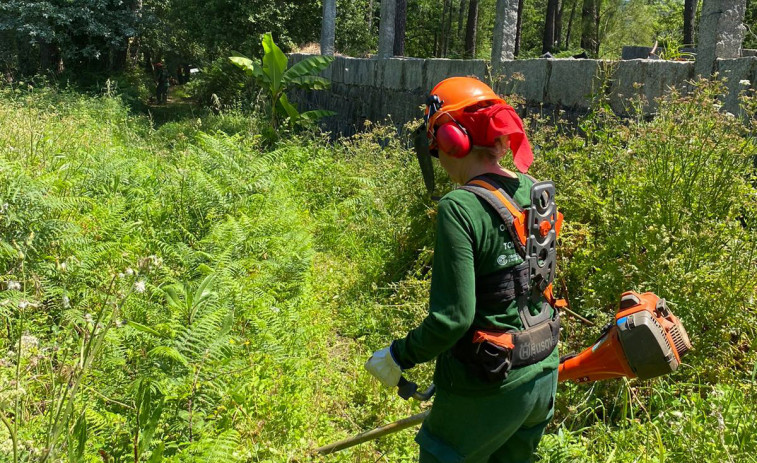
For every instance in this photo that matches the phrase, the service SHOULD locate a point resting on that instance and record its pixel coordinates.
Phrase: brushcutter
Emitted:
(645, 340)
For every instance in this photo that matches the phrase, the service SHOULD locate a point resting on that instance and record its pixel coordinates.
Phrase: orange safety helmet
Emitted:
(453, 95)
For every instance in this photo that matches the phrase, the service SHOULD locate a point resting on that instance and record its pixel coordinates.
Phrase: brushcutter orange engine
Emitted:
(644, 341)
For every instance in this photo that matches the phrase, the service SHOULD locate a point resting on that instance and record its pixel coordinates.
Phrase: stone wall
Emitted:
(377, 89)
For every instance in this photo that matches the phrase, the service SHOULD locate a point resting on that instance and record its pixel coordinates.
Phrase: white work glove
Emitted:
(384, 368)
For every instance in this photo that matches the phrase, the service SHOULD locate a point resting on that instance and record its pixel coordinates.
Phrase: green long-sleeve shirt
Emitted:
(471, 241)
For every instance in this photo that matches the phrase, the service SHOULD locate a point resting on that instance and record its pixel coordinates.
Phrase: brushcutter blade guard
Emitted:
(644, 341)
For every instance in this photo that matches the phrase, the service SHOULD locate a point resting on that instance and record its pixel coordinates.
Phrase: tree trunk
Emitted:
(558, 24)
(518, 28)
(448, 34)
(689, 17)
(328, 27)
(459, 37)
(135, 42)
(470, 30)
(570, 24)
(589, 23)
(505, 27)
(118, 55)
(386, 29)
(442, 31)
(370, 15)
(461, 15)
(548, 40)
(400, 22)
(50, 59)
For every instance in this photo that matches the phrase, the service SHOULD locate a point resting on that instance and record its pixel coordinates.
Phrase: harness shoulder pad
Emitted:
(509, 211)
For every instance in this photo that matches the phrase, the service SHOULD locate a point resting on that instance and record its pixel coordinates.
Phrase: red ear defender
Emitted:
(453, 139)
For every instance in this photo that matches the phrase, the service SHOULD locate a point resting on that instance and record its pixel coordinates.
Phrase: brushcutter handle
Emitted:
(407, 389)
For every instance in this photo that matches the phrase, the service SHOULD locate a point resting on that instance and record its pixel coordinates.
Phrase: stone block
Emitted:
(337, 69)
(440, 69)
(367, 72)
(527, 78)
(392, 73)
(351, 71)
(627, 84)
(413, 74)
(648, 80)
(573, 82)
(662, 76)
(736, 72)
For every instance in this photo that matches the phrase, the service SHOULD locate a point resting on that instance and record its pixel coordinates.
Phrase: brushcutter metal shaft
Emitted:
(374, 433)
(405, 389)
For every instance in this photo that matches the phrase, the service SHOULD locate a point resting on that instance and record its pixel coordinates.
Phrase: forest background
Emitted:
(103, 35)
(187, 283)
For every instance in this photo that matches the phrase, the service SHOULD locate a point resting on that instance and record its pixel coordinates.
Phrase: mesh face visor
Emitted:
(422, 152)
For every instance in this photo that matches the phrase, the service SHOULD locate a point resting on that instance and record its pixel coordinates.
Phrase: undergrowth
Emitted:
(190, 293)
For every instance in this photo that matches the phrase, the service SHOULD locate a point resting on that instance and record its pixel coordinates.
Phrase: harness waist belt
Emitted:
(491, 354)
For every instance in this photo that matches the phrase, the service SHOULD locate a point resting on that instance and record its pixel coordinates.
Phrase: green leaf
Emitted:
(308, 67)
(316, 114)
(149, 404)
(289, 108)
(78, 439)
(170, 353)
(172, 297)
(274, 62)
(248, 66)
(310, 82)
(205, 290)
(157, 453)
(143, 328)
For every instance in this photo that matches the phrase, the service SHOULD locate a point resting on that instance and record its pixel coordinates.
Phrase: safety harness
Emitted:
(493, 353)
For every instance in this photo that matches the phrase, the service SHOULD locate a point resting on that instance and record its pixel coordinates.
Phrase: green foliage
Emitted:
(87, 30)
(186, 294)
(272, 74)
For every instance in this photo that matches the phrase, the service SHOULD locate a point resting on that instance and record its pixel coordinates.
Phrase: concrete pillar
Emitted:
(505, 28)
(386, 29)
(328, 25)
(721, 32)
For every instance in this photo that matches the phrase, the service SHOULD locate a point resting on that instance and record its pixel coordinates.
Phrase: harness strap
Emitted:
(510, 212)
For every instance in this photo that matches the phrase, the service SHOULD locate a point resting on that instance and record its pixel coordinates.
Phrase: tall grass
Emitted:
(193, 294)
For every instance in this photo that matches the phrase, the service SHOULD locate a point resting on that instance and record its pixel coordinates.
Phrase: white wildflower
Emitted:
(119, 323)
(745, 82)
(14, 286)
(139, 286)
(129, 271)
(28, 341)
(63, 266)
(66, 302)
(23, 304)
(121, 276)
(88, 318)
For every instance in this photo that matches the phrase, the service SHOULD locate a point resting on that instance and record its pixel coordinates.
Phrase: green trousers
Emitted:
(501, 428)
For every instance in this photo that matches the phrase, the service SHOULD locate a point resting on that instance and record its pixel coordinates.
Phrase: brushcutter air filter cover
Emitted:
(653, 339)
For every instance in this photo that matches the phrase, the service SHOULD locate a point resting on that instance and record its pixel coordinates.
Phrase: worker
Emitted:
(493, 401)
(161, 83)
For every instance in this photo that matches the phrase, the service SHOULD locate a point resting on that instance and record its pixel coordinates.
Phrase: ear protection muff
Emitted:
(453, 139)
(450, 137)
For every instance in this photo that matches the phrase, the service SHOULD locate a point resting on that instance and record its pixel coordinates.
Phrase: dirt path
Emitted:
(179, 106)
